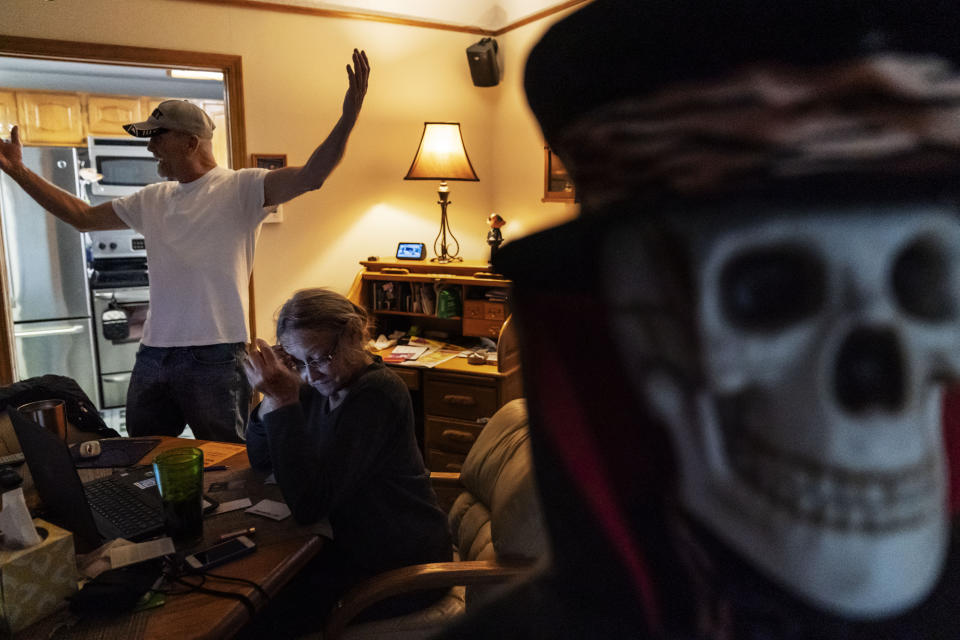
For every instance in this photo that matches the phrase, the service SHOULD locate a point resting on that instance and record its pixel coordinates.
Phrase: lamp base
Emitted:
(440, 242)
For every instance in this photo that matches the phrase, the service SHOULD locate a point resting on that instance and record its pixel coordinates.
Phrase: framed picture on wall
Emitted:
(269, 160)
(557, 186)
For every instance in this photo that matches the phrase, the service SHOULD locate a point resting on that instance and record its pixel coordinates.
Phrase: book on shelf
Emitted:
(495, 295)
(428, 298)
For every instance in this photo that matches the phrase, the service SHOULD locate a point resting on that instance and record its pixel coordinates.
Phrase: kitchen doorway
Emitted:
(92, 53)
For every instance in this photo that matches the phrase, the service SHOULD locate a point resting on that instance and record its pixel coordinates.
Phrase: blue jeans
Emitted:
(203, 386)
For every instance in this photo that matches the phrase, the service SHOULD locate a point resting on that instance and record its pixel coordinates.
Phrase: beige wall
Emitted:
(294, 79)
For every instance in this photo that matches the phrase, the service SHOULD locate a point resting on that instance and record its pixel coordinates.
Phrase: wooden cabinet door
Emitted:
(8, 113)
(152, 103)
(50, 118)
(106, 115)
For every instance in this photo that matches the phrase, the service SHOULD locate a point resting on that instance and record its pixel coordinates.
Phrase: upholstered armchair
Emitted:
(497, 528)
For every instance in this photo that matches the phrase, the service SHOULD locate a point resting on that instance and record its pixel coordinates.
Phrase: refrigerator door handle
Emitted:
(54, 331)
(123, 297)
(116, 377)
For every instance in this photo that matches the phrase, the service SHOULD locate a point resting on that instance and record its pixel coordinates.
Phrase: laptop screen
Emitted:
(56, 480)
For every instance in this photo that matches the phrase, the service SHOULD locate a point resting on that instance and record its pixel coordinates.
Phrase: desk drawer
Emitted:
(443, 461)
(458, 400)
(482, 309)
(410, 377)
(452, 436)
(482, 328)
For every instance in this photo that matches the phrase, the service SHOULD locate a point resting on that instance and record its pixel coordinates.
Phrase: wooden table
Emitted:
(283, 548)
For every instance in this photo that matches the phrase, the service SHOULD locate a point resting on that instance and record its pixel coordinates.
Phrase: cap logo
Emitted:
(157, 114)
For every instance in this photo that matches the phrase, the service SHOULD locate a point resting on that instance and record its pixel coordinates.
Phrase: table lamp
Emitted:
(441, 156)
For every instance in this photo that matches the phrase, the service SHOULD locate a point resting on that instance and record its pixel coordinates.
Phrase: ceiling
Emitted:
(55, 75)
(489, 15)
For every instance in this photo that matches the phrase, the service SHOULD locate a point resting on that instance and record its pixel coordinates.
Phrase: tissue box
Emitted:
(36, 580)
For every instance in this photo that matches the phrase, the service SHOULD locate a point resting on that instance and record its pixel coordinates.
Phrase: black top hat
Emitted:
(616, 50)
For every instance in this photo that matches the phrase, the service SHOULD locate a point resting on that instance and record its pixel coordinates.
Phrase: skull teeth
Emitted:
(835, 498)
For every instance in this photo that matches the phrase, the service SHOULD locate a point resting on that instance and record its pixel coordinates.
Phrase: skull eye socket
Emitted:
(771, 288)
(921, 281)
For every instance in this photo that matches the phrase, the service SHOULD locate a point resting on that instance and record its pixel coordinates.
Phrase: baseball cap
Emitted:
(174, 115)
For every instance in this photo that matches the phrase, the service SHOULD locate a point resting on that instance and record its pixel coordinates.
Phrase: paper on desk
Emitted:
(270, 509)
(433, 358)
(214, 452)
(233, 505)
(405, 352)
(381, 343)
(132, 552)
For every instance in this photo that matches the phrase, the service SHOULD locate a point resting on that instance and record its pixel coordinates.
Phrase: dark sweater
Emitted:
(359, 466)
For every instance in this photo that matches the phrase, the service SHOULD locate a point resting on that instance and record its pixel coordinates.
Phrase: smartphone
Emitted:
(220, 553)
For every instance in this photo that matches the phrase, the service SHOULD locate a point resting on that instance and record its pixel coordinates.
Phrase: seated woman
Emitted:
(336, 428)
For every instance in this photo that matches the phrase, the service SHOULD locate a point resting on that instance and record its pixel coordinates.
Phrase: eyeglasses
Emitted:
(315, 363)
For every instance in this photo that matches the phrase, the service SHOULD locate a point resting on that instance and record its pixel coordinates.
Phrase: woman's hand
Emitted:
(269, 375)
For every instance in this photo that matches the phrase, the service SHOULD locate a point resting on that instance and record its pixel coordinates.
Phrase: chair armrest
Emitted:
(434, 575)
(445, 480)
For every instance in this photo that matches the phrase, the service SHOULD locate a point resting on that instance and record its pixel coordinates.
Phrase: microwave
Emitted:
(124, 163)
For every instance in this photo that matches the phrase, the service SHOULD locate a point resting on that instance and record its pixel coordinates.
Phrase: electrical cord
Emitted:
(253, 584)
(175, 573)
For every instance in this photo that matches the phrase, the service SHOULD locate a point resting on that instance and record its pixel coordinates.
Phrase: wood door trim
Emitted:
(409, 22)
(232, 68)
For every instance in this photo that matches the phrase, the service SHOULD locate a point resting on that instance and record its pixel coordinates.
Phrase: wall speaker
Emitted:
(484, 66)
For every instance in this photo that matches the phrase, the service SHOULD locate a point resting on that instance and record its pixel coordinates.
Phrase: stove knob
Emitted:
(113, 245)
(102, 246)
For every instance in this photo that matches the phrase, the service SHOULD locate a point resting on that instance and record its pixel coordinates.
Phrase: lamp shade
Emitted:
(441, 155)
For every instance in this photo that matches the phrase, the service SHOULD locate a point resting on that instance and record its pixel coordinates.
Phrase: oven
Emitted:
(117, 348)
(120, 292)
(124, 164)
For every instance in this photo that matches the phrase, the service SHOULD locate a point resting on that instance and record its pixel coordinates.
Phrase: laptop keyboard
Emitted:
(120, 504)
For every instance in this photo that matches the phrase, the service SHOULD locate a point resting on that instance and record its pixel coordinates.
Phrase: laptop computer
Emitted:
(123, 505)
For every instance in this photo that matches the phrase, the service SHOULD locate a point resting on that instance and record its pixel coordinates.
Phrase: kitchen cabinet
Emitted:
(65, 119)
(8, 112)
(50, 118)
(106, 115)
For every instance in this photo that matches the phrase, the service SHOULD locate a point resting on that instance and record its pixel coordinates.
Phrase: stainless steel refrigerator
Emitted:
(47, 277)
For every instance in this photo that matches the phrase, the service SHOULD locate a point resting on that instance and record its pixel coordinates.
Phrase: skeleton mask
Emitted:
(803, 395)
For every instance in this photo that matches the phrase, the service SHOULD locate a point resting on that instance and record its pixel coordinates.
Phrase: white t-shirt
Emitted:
(200, 239)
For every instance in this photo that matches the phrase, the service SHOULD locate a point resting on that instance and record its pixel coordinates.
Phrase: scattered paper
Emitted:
(133, 552)
(214, 452)
(381, 343)
(270, 509)
(406, 352)
(433, 358)
(233, 505)
(97, 561)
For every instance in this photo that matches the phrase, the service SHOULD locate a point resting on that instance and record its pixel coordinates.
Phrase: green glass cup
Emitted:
(179, 474)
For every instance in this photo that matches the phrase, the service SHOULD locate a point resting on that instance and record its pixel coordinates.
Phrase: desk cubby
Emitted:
(453, 400)
(399, 294)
